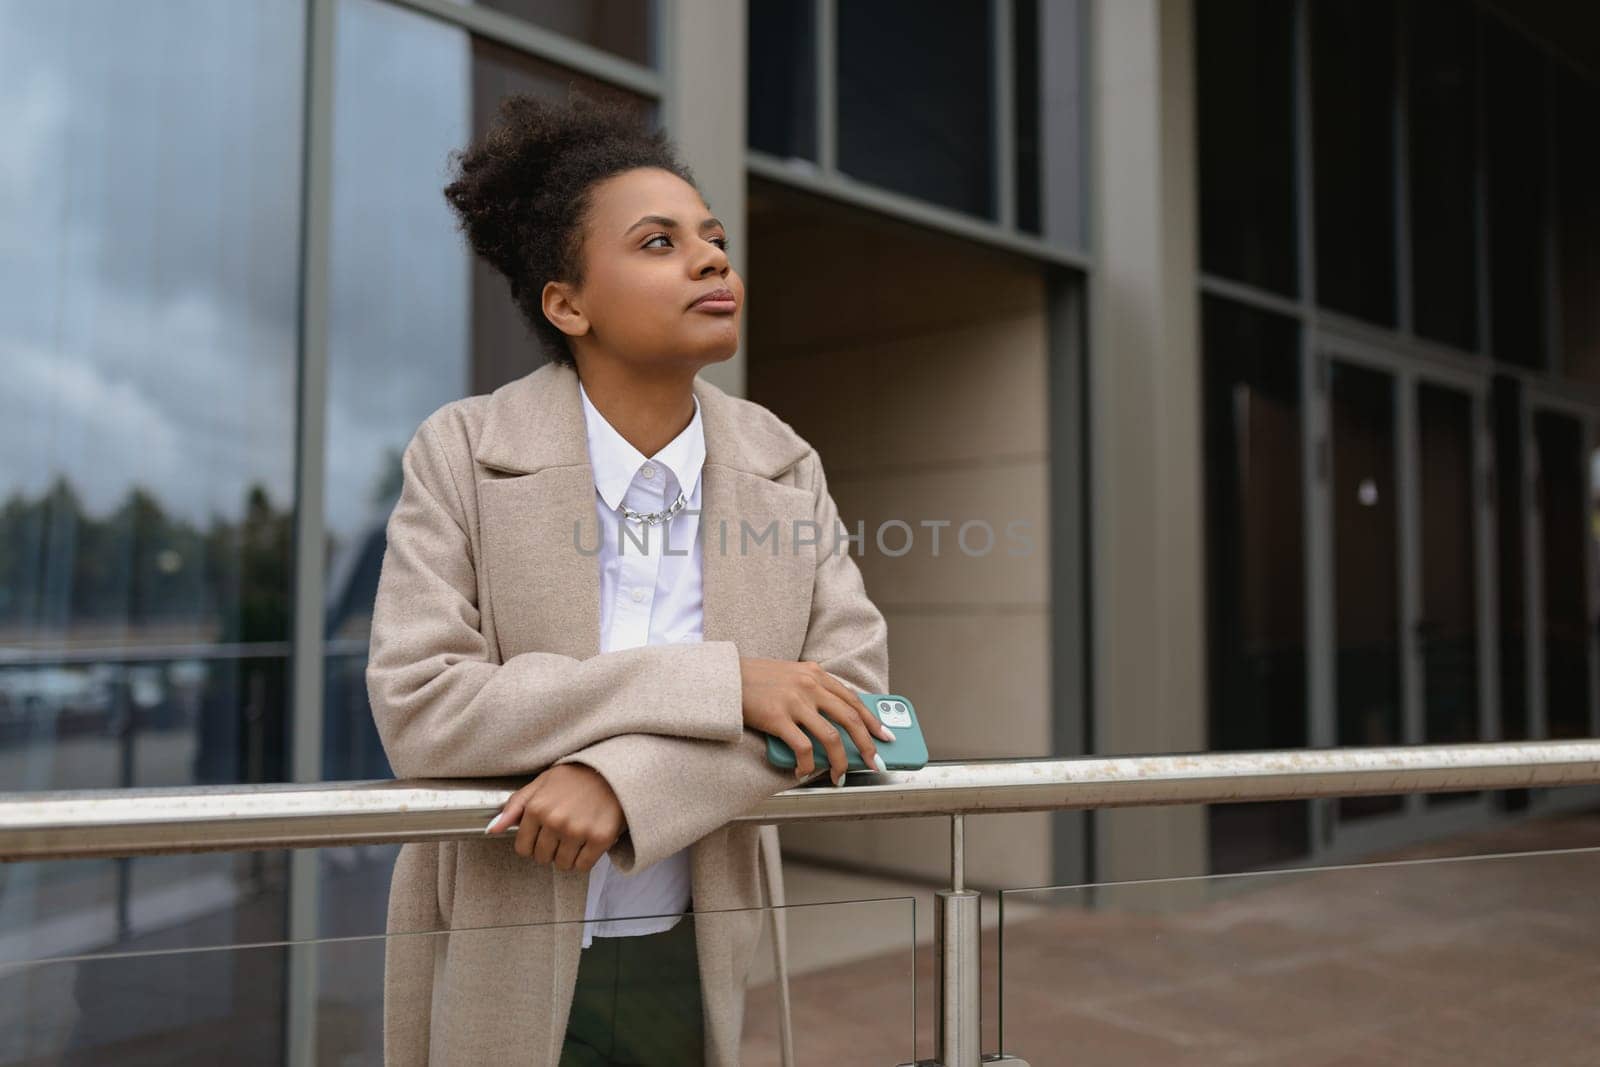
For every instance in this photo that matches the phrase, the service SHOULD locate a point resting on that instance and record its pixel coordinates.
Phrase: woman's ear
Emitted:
(557, 300)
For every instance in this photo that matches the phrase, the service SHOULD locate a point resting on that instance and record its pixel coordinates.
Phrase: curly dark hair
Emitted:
(521, 192)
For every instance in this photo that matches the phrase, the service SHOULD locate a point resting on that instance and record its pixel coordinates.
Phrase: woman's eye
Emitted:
(721, 242)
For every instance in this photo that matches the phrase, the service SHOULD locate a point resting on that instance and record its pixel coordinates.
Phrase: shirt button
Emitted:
(638, 595)
(648, 472)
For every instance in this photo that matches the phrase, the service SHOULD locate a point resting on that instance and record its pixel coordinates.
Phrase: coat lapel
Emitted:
(757, 585)
(541, 574)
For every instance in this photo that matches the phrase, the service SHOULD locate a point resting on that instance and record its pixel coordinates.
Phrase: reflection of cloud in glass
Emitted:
(398, 324)
(149, 249)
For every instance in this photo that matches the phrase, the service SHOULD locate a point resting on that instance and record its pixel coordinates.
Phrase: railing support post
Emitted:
(958, 1022)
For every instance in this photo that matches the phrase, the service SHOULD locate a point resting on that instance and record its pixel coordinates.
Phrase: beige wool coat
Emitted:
(485, 661)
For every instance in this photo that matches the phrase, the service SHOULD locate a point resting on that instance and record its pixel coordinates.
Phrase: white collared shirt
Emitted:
(650, 594)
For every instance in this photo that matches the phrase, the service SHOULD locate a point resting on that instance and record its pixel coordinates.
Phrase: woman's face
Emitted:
(650, 250)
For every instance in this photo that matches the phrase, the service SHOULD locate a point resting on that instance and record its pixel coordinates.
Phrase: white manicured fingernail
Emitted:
(877, 761)
(886, 733)
(492, 821)
(839, 781)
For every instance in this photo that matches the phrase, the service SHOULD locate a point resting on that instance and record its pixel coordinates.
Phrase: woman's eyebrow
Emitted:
(710, 223)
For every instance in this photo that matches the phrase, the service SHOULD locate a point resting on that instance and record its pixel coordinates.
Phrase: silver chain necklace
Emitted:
(655, 518)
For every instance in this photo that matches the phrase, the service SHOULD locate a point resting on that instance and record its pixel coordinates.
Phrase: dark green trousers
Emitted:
(637, 1003)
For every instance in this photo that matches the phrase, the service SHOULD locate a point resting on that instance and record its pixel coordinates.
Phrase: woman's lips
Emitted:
(718, 300)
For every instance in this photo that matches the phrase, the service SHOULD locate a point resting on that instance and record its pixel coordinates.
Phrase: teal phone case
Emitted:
(907, 752)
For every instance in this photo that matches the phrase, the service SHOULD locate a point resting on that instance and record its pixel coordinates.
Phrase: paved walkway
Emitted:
(1417, 961)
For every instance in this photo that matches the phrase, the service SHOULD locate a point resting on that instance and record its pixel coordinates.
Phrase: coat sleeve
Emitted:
(674, 791)
(444, 710)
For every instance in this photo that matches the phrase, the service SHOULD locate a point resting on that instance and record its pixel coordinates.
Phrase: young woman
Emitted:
(610, 579)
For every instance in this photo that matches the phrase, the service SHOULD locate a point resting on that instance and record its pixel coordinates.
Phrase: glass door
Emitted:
(1363, 480)
(1564, 522)
(1448, 632)
(1408, 602)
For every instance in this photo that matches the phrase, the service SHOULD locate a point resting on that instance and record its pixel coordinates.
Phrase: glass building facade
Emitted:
(1397, 256)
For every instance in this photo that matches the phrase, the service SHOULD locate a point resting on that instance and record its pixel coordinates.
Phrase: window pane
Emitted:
(1447, 633)
(1366, 574)
(1025, 49)
(1578, 227)
(1245, 53)
(1562, 500)
(1352, 68)
(782, 77)
(149, 284)
(148, 312)
(1511, 572)
(1443, 159)
(407, 91)
(1517, 160)
(916, 100)
(1255, 551)
(625, 28)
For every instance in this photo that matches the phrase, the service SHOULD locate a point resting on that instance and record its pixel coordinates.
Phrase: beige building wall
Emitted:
(916, 364)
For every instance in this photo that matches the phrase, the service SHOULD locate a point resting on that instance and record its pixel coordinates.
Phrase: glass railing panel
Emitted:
(849, 966)
(1471, 960)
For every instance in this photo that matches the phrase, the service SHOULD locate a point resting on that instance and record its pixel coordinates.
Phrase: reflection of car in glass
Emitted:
(71, 699)
(74, 699)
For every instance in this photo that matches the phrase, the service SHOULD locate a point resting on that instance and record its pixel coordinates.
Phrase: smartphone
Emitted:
(907, 752)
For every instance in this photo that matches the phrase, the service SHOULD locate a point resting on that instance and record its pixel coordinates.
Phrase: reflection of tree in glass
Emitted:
(62, 569)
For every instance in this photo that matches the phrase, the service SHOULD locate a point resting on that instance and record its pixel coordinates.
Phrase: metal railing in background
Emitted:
(99, 823)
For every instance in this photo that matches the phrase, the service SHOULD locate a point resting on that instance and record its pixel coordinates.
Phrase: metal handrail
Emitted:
(130, 822)
(148, 821)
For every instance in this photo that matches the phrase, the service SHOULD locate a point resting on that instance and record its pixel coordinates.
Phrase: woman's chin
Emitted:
(716, 350)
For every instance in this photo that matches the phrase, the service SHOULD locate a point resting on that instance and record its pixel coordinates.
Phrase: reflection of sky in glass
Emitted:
(149, 222)
(407, 330)
(399, 332)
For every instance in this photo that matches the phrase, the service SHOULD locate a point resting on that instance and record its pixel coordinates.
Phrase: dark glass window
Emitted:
(1353, 85)
(1578, 227)
(1447, 633)
(1366, 567)
(1510, 573)
(1441, 50)
(1505, 400)
(782, 77)
(1517, 156)
(1255, 569)
(1047, 49)
(916, 100)
(1245, 55)
(1026, 93)
(625, 28)
(1562, 499)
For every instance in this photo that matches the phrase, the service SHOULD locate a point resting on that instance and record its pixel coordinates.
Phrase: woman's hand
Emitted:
(569, 816)
(782, 696)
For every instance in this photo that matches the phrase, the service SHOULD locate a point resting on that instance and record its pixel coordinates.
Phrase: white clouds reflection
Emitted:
(148, 249)
(399, 332)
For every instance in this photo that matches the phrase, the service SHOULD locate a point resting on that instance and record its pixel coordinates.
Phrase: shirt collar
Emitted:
(616, 461)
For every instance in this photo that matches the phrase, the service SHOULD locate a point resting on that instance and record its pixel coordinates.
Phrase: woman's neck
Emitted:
(647, 413)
